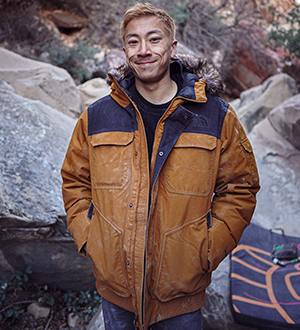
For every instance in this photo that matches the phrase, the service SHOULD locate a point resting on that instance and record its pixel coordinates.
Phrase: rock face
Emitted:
(256, 103)
(92, 90)
(253, 66)
(40, 81)
(276, 144)
(33, 142)
(285, 120)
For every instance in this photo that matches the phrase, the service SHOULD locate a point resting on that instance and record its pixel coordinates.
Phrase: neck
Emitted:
(157, 93)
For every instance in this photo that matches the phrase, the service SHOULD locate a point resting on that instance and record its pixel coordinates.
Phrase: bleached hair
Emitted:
(148, 9)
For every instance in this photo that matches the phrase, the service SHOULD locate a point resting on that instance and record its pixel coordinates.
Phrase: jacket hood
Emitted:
(200, 66)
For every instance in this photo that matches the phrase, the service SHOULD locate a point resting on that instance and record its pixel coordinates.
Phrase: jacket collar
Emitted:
(190, 66)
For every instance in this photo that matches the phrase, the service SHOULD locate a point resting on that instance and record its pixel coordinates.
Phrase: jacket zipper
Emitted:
(145, 259)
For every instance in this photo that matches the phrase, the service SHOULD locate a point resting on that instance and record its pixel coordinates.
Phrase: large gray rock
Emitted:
(40, 81)
(276, 145)
(286, 120)
(6, 87)
(92, 90)
(256, 103)
(33, 141)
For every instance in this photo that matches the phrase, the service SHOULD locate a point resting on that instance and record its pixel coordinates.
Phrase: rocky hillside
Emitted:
(69, 33)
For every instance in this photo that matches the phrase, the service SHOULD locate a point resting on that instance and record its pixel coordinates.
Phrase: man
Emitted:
(159, 181)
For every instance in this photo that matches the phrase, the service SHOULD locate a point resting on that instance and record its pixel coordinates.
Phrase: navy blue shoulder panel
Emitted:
(209, 116)
(106, 115)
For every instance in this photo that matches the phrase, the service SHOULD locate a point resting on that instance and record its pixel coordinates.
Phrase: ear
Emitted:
(173, 48)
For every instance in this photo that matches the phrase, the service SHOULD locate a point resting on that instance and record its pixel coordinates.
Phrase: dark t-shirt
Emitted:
(151, 114)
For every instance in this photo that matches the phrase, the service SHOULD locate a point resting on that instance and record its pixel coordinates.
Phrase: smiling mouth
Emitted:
(145, 63)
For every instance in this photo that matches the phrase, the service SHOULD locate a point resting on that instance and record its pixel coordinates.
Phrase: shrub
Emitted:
(85, 304)
(288, 35)
(16, 294)
(9, 309)
(74, 59)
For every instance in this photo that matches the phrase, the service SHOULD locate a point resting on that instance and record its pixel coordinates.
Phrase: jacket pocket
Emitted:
(183, 262)
(189, 167)
(111, 154)
(105, 248)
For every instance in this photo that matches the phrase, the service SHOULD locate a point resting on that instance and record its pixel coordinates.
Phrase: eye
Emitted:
(132, 42)
(155, 39)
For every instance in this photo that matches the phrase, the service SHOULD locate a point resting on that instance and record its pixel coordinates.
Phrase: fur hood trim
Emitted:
(200, 66)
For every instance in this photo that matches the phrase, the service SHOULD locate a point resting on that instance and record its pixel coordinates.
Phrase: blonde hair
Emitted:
(148, 9)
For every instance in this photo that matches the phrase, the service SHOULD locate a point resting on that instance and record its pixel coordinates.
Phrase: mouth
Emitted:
(145, 63)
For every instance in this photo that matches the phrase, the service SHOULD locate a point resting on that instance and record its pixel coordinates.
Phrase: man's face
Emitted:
(148, 49)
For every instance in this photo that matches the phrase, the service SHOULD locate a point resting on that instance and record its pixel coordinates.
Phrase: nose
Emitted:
(144, 49)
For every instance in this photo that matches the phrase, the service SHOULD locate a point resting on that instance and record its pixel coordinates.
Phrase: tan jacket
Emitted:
(155, 235)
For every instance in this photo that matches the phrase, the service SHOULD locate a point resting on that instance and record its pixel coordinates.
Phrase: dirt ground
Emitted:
(23, 297)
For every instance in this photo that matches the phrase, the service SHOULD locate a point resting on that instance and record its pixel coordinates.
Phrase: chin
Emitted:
(148, 79)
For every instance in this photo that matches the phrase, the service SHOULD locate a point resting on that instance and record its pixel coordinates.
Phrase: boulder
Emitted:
(41, 81)
(33, 141)
(276, 145)
(285, 119)
(256, 102)
(92, 90)
(254, 64)
(5, 86)
(293, 70)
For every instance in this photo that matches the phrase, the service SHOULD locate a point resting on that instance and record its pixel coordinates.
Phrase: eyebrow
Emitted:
(147, 34)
